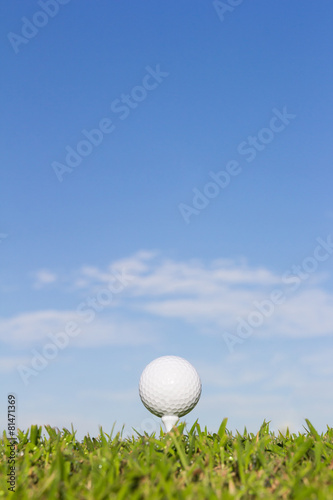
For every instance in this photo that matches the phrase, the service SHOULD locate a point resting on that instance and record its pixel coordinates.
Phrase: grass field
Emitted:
(184, 464)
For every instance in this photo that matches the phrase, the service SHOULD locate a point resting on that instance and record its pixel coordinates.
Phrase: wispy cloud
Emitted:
(307, 314)
(281, 387)
(35, 328)
(43, 277)
(8, 364)
(30, 327)
(210, 296)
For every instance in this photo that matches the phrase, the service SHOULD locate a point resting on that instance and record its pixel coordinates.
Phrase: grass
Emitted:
(184, 464)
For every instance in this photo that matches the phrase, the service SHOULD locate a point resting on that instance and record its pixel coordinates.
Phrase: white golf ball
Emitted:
(170, 386)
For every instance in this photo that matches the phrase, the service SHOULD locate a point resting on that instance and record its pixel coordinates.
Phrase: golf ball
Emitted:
(170, 385)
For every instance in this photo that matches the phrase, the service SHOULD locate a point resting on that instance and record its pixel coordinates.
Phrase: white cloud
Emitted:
(211, 297)
(87, 276)
(307, 314)
(193, 278)
(9, 364)
(44, 277)
(33, 328)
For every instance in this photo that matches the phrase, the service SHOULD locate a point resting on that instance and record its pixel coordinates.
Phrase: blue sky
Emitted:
(137, 245)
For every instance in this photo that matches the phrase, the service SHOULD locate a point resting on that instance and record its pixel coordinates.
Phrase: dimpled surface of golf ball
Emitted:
(170, 385)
